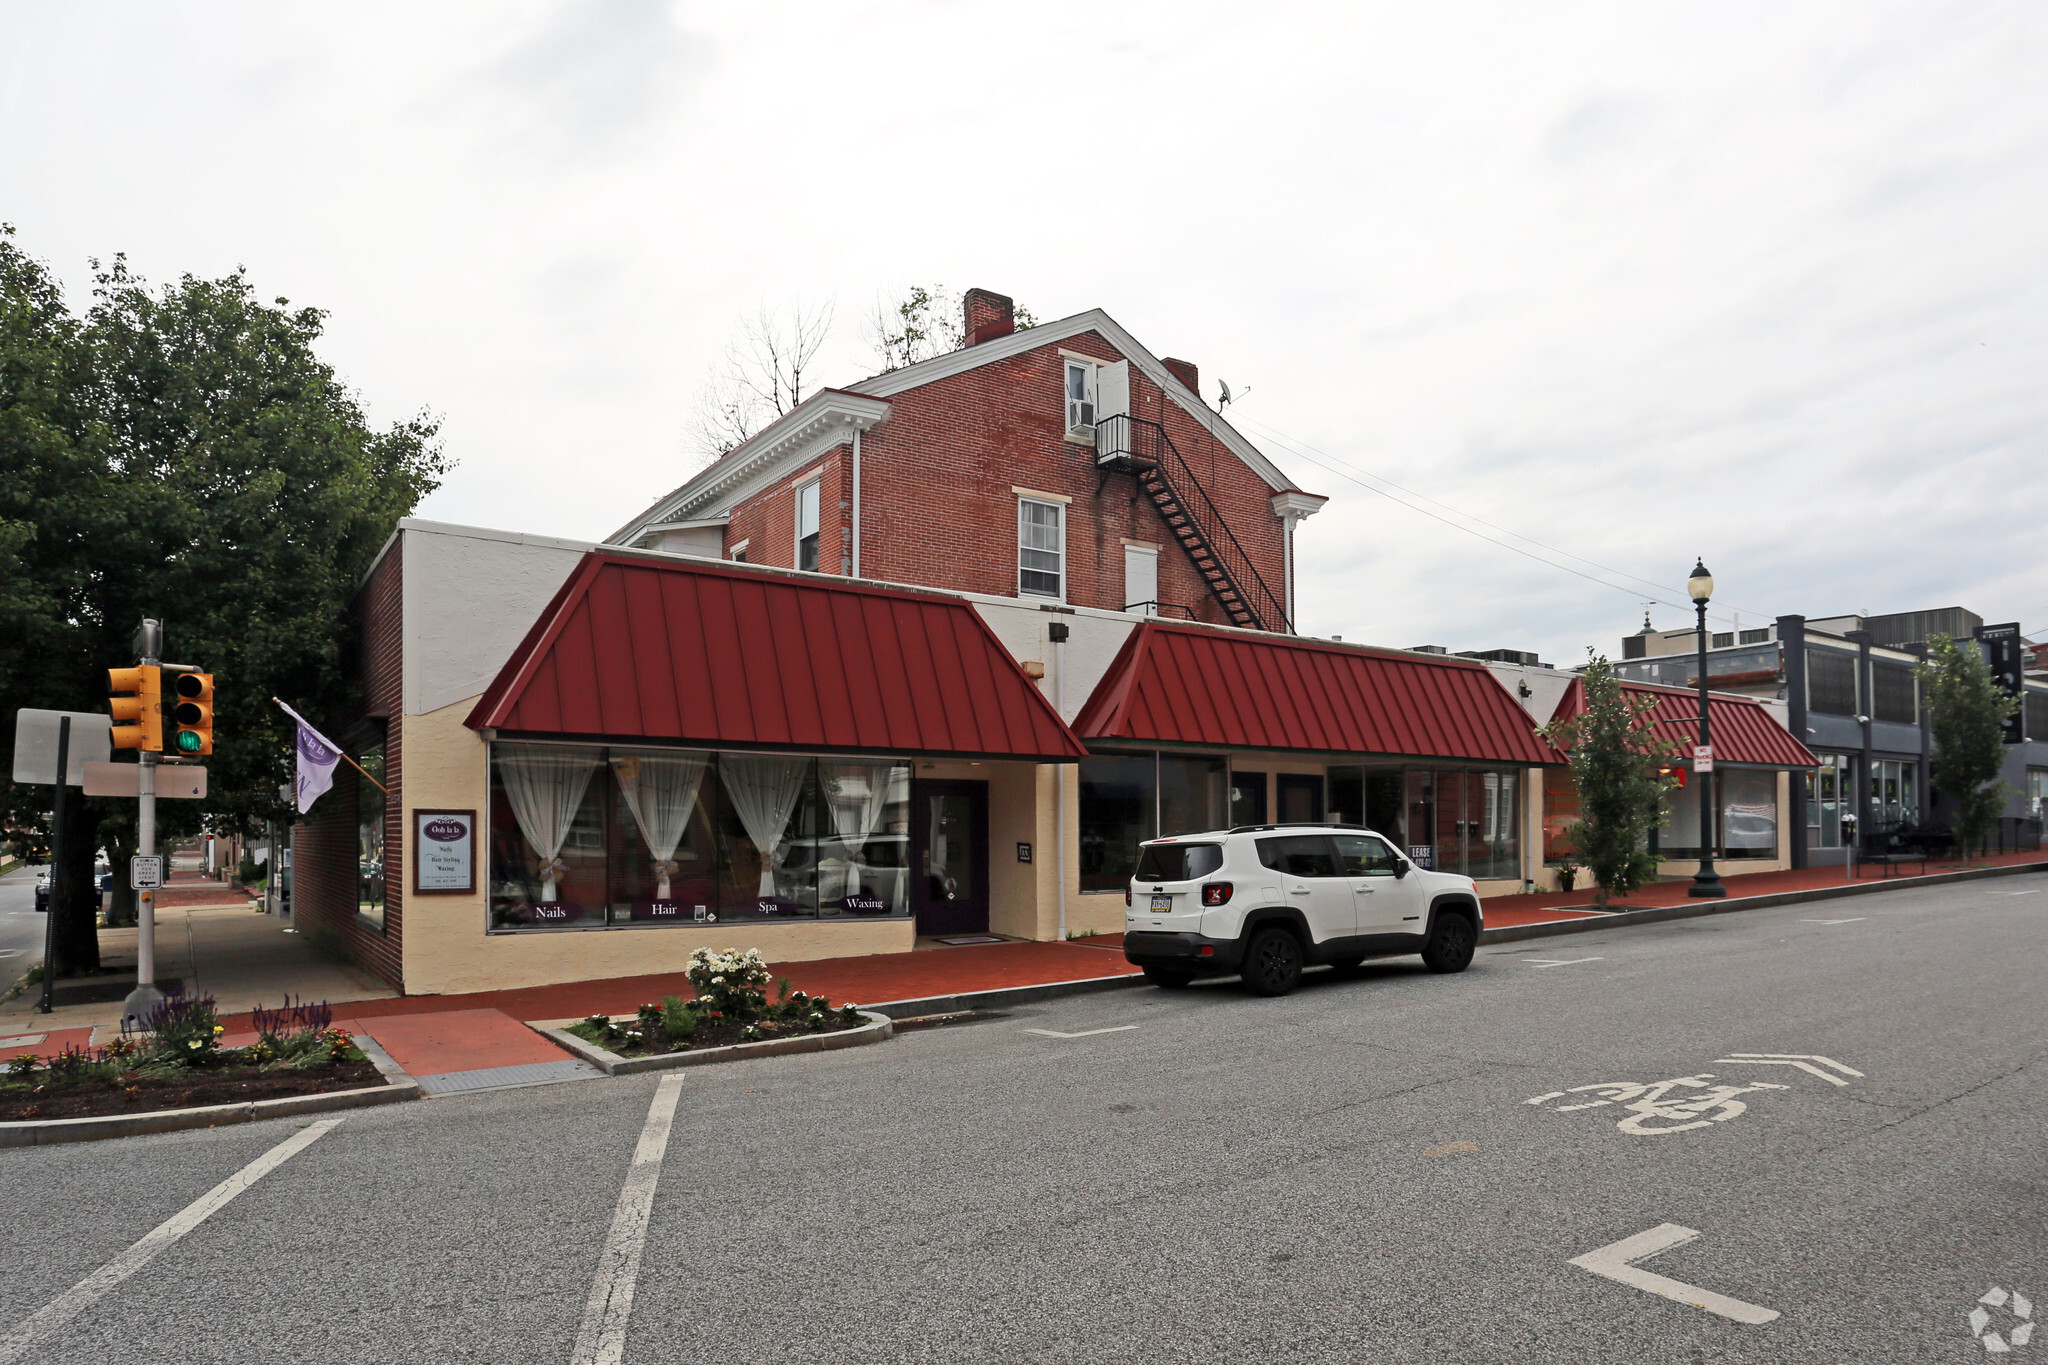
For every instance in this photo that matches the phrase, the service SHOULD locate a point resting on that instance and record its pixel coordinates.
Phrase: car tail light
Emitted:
(1127, 895)
(1216, 893)
(1208, 950)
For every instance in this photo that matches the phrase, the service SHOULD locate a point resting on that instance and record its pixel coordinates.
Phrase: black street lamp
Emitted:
(1704, 883)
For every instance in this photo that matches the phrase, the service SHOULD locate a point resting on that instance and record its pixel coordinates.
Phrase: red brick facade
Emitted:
(938, 510)
(325, 864)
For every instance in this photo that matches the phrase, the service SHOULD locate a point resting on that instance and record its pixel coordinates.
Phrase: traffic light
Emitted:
(193, 715)
(138, 719)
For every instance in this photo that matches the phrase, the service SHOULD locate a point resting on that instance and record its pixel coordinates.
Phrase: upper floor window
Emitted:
(1723, 639)
(807, 525)
(1041, 548)
(1080, 399)
(1755, 637)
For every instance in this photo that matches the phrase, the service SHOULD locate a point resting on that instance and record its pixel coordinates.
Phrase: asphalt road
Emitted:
(21, 928)
(1350, 1173)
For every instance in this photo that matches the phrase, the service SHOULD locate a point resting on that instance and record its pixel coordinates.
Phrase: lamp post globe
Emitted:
(1700, 587)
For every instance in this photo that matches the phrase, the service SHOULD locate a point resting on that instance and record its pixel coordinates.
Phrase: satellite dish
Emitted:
(1228, 397)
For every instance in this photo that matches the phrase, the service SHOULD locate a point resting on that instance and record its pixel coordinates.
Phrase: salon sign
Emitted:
(444, 851)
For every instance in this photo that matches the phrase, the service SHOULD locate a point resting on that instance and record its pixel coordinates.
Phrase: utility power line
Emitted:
(1345, 470)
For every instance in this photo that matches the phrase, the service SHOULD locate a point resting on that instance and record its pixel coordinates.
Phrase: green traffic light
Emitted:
(188, 741)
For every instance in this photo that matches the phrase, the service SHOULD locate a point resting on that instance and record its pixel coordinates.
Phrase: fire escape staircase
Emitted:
(1132, 445)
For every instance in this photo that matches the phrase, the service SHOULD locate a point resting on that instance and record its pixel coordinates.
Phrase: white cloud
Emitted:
(1749, 282)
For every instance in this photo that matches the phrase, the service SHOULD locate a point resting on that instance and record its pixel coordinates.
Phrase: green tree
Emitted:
(1967, 711)
(180, 453)
(1615, 757)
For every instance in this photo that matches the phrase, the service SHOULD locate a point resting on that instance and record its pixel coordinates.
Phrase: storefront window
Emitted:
(1125, 801)
(370, 834)
(1893, 803)
(1745, 816)
(2037, 792)
(1825, 787)
(1247, 798)
(585, 838)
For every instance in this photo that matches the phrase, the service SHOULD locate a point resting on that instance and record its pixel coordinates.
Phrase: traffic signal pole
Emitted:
(145, 997)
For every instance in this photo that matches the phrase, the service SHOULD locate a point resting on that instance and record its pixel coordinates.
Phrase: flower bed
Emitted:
(179, 1064)
(731, 1006)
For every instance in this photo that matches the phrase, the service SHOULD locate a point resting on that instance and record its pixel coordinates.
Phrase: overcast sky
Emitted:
(1763, 283)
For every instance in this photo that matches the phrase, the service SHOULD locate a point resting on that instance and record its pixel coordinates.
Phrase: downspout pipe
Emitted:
(856, 502)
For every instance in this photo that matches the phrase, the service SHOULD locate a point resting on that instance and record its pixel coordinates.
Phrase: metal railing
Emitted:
(1134, 445)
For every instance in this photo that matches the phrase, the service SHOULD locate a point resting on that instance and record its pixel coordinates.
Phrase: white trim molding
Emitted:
(1037, 496)
(1291, 505)
(798, 436)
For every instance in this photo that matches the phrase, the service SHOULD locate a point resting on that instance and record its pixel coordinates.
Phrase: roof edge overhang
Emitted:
(1101, 747)
(736, 746)
(826, 419)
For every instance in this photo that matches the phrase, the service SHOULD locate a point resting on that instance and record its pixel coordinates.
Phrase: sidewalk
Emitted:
(245, 959)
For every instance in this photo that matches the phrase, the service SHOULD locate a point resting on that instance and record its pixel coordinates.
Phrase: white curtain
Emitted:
(764, 789)
(661, 792)
(546, 790)
(858, 795)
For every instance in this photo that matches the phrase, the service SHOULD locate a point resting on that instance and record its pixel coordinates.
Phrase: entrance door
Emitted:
(949, 882)
(1300, 797)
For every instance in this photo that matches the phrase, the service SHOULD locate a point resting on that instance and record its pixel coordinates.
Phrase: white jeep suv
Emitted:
(1265, 901)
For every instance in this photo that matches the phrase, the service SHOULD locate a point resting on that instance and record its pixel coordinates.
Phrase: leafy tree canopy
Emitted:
(1615, 757)
(182, 453)
(1967, 711)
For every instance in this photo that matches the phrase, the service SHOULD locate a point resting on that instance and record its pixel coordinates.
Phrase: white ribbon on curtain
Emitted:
(858, 795)
(764, 789)
(546, 790)
(661, 792)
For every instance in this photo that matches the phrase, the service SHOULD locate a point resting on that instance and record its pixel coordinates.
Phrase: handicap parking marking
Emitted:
(1566, 962)
(1087, 1033)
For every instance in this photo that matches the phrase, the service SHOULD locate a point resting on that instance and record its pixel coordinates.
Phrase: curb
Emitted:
(43, 1132)
(1004, 997)
(1657, 914)
(878, 1027)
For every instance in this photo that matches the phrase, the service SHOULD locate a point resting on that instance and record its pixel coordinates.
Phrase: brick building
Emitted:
(929, 655)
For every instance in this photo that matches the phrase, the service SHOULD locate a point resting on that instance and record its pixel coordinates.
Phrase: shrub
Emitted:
(678, 1016)
(23, 1064)
(185, 1027)
(730, 982)
(294, 1021)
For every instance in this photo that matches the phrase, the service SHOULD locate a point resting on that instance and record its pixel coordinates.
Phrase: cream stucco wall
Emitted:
(447, 949)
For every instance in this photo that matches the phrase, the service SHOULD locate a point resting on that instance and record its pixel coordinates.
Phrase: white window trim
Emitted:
(735, 551)
(1039, 494)
(1068, 362)
(1059, 505)
(796, 546)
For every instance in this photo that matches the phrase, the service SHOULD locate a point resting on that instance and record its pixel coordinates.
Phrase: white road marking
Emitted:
(1856, 920)
(41, 1326)
(1798, 1059)
(1614, 1262)
(2035, 892)
(23, 1040)
(1090, 1033)
(1567, 962)
(602, 1339)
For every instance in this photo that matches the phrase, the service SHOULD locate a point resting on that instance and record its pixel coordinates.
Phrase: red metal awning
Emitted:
(1178, 684)
(1742, 729)
(700, 652)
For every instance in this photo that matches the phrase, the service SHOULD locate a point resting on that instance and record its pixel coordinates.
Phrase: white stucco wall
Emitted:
(1093, 639)
(470, 597)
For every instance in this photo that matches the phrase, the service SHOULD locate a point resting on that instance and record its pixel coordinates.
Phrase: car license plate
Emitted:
(1162, 902)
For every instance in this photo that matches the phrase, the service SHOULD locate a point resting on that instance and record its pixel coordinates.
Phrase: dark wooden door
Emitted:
(949, 867)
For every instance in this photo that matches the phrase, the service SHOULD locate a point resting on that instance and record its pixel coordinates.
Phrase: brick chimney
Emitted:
(988, 316)
(1186, 373)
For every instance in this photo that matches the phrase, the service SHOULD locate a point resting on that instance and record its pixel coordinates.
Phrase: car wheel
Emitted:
(1272, 962)
(1168, 978)
(1450, 945)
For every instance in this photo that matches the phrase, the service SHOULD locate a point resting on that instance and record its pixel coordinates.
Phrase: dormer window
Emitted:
(1080, 400)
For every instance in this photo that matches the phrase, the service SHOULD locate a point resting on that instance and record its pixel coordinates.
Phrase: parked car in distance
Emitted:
(42, 892)
(1266, 901)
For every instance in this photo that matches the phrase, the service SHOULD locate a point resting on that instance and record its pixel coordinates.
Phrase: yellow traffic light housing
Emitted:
(192, 714)
(138, 719)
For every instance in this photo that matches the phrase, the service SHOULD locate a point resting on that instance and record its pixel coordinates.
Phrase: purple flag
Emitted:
(318, 757)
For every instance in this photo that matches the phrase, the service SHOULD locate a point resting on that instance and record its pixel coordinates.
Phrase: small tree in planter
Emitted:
(1967, 711)
(1615, 758)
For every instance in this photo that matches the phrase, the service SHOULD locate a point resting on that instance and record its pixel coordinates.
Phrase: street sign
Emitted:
(146, 871)
(35, 745)
(1703, 758)
(180, 781)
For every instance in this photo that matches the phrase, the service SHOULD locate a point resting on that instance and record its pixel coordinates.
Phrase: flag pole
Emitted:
(344, 755)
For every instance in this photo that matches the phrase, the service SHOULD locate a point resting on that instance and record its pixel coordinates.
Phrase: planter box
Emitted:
(878, 1027)
(39, 1132)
